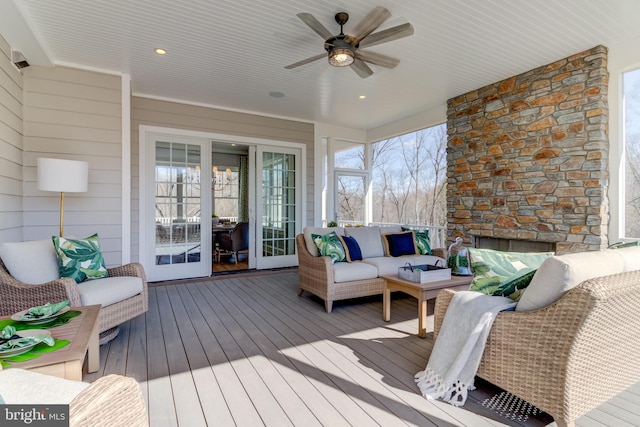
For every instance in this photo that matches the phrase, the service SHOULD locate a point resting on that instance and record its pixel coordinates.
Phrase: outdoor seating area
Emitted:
(414, 214)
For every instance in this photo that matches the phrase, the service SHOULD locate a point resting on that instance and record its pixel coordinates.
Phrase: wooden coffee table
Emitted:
(82, 333)
(422, 291)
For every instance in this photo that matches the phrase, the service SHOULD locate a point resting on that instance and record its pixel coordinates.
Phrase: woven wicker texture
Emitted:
(570, 356)
(110, 401)
(316, 277)
(16, 296)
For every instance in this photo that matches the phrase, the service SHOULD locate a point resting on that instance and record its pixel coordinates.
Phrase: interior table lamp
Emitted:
(65, 176)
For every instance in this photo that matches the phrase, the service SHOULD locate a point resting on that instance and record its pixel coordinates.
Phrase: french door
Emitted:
(176, 222)
(278, 205)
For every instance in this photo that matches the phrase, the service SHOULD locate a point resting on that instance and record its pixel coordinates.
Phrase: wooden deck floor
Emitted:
(248, 351)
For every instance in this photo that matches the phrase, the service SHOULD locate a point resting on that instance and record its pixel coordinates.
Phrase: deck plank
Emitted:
(162, 411)
(248, 351)
(267, 407)
(185, 397)
(238, 405)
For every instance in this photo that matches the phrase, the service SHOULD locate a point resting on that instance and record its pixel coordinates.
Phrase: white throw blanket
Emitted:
(458, 350)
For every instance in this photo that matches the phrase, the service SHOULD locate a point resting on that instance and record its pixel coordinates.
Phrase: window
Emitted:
(226, 190)
(631, 84)
(348, 155)
(409, 178)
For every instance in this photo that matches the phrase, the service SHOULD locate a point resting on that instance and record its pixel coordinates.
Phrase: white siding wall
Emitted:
(11, 125)
(182, 116)
(74, 114)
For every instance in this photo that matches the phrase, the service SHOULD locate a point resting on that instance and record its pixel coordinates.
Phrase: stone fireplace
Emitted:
(527, 157)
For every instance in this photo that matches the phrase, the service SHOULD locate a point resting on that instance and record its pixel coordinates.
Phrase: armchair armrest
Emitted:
(440, 252)
(113, 400)
(133, 269)
(18, 296)
(316, 272)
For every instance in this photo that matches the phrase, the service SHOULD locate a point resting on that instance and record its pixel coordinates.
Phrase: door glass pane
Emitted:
(177, 203)
(351, 199)
(278, 204)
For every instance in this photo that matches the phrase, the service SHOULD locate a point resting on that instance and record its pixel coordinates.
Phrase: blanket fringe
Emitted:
(432, 387)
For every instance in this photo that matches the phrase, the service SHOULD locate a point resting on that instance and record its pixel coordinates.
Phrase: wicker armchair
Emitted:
(112, 400)
(571, 356)
(16, 296)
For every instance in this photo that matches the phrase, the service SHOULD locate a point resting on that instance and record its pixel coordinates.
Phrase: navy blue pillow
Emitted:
(351, 248)
(398, 244)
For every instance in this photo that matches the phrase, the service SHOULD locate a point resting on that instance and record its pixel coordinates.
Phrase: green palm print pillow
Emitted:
(423, 241)
(80, 259)
(331, 246)
(504, 273)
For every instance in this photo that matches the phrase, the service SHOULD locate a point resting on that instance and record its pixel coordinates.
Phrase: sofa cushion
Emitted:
(20, 386)
(631, 257)
(80, 259)
(369, 239)
(558, 274)
(109, 290)
(21, 258)
(308, 231)
(330, 245)
(351, 248)
(398, 244)
(358, 270)
(388, 266)
(504, 273)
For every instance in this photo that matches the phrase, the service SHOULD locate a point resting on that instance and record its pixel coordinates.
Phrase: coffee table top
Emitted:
(77, 331)
(453, 282)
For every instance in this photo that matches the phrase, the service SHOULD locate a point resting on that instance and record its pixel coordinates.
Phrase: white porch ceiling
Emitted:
(231, 54)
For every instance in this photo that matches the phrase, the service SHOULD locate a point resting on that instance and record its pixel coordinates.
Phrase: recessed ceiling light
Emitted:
(362, 97)
(161, 51)
(276, 94)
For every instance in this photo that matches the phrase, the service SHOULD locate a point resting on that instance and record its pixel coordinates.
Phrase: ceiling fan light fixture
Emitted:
(341, 56)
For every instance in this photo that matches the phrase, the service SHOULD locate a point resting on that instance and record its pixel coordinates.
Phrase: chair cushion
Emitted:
(369, 239)
(388, 266)
(20, 386)
(398, 244)
(558, 274)
(631, 257)
(358, 270)
(330, 245)
(351, 248)
(109, 290)
(21, 257)
(80, 259)
(308, 231)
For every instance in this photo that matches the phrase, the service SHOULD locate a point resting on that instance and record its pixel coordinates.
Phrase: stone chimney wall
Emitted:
(527, 157)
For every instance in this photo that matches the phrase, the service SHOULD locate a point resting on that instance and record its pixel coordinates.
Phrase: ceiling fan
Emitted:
(346, 49)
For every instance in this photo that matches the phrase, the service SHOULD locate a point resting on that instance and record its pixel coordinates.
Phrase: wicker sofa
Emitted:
(123, 295)
(574, 354)
(333, 282)
(112, 400)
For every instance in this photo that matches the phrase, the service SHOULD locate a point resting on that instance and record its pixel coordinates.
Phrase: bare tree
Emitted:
(410, 176)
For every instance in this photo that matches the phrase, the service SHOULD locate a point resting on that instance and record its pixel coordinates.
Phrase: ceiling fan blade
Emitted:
(377, 58)
(368, 24)
(306, 61)
(361, 69)
(387, 35)
(315, 25)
